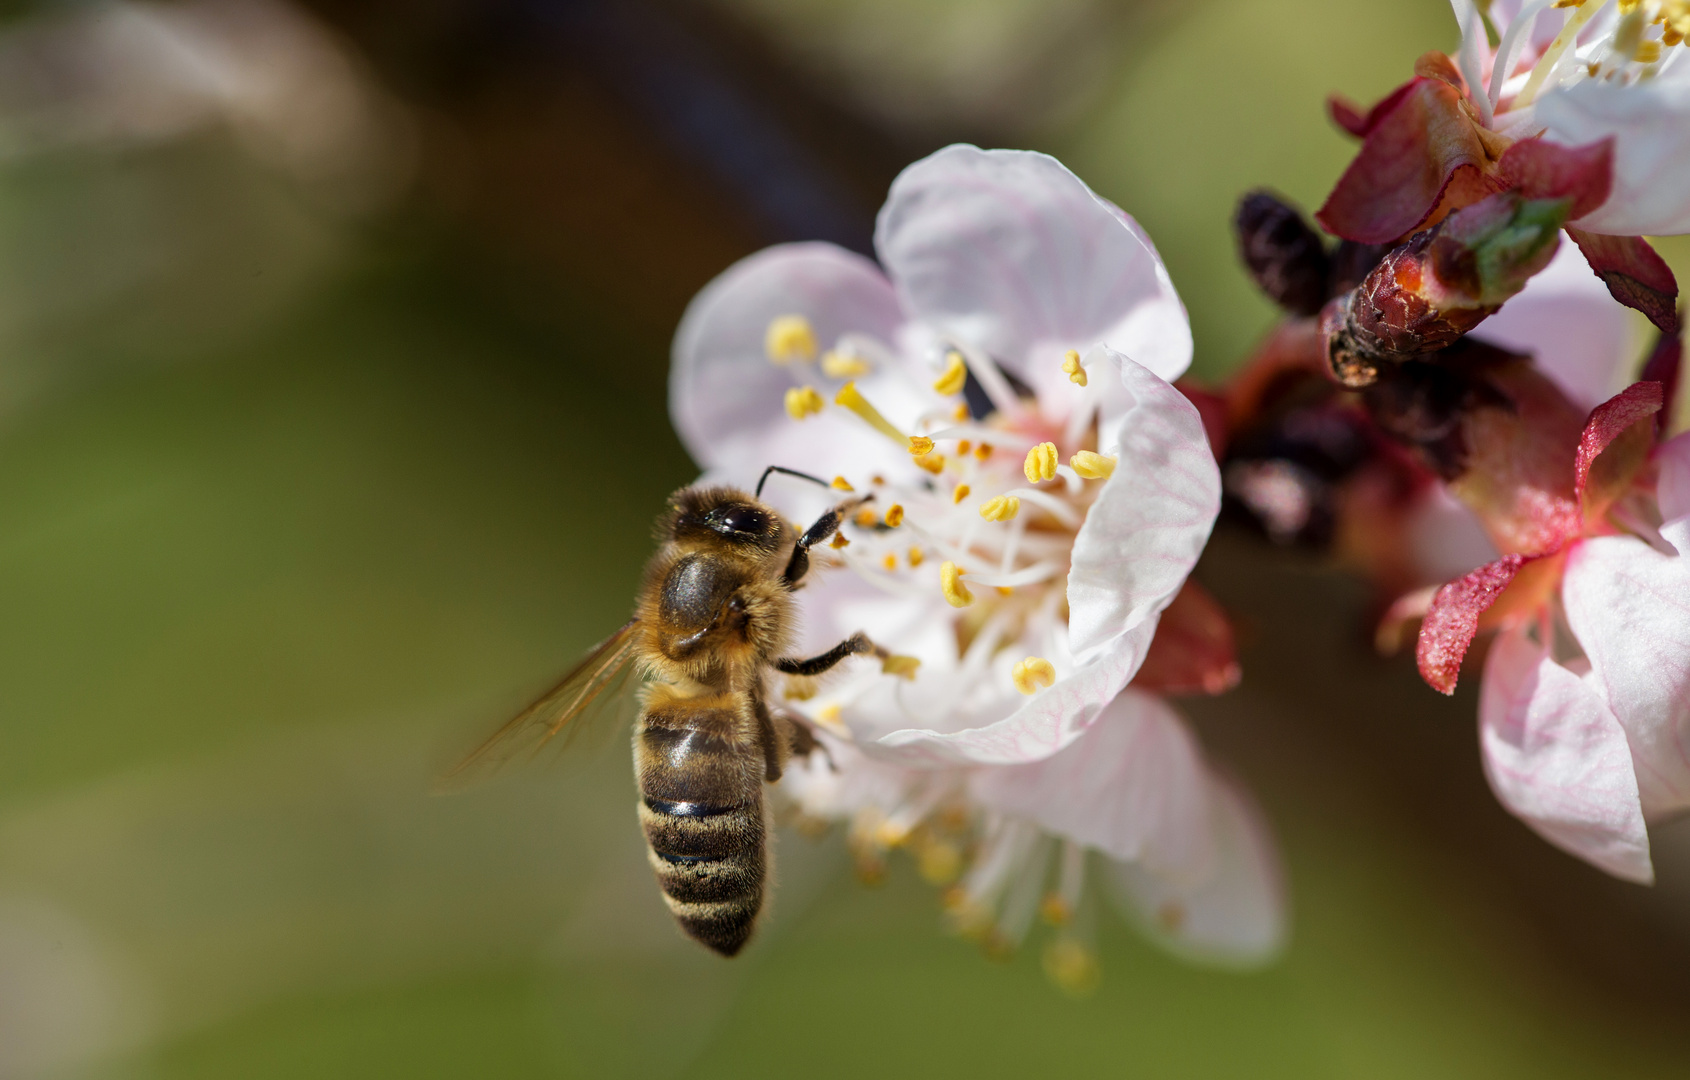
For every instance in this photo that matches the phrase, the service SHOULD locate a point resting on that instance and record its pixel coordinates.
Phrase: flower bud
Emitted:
(1426, 293)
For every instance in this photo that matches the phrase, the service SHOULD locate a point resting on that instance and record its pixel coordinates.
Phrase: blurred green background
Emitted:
(333, 344)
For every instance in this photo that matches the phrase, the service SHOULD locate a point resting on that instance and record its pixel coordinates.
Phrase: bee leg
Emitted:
(776, 743)
(855, 645)
(824, 527)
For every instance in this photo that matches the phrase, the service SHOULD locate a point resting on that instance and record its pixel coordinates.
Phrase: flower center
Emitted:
(1627, 44)
(987, 516)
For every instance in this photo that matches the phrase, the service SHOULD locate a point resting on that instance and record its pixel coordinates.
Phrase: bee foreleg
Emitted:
(824, 527)
(855, 645)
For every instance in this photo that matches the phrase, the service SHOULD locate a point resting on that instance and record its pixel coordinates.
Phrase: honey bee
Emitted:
(713, 618)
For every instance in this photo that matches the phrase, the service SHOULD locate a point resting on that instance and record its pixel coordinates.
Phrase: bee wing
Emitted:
(601, 684)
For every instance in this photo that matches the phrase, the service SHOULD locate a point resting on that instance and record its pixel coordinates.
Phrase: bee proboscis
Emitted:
(714, 616)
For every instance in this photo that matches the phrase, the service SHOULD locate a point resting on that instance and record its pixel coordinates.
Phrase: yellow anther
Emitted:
(866, 518)
(1071, 364)
(916, 556)
(1003, 590)
(964, 446)
(1648, 52)
(841, 484)
(789, 338)
(939, 862)
(851, 399)
(983, 451)
(933, 463)
(891, 835)
(959, 494)
(1000, 508)
(839, 541)
(829, 716)
(1093, 466)
(1072, 967)
(890, 562)
(955, 376)
(904, 667)
(895, 515)
(836, 365)
(950, 581)
(1032, 673)
(877, 480)
(960, 413)
(1041, 463)
(1054, 910)
(920, 446)
(802, 401)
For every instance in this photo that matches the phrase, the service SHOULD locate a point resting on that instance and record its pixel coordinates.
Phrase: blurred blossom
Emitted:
(116, 75)
(1040, 494)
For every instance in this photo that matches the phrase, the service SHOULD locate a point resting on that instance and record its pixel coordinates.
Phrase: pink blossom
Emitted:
(1003, 384)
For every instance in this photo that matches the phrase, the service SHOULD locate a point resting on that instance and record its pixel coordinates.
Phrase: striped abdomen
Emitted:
(699, 763)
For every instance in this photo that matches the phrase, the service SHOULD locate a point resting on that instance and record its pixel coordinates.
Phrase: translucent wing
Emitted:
(601, 684)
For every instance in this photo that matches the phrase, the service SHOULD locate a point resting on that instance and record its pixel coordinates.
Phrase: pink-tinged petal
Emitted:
(1634, 274)
(1424, 156)
(1578, 334)
(1557, 759)
(1629, 607)
(723, 391)
(1615, 443)
(1453, 619)
(1539, 169)
(1348, 116)
(1139, 541)
(1650, 124)
(1134, 786)
(1672, 490)
(1009, 250)
(1238, 916)
(1150, 522)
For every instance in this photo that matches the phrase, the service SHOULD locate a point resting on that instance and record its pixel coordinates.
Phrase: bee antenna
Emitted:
(789, 472)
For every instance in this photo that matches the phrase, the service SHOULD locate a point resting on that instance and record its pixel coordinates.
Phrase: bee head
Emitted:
(723, 514)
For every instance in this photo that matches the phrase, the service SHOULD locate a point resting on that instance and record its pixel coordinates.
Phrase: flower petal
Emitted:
(1139, 541)
(1238, 916)
(1650, 124)
(1557, 758)
(1011, 251)
(1580, 336)
(1615, 443)
(1629, 607)
(1134, 786)
(1672, 490)
(723, 391)
(1150, 522)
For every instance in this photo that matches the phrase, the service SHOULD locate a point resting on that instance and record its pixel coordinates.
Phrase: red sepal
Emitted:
(1665, 361)
(1608, 422)
(1545, 170)
(1193, 650)
(1634, 274)
(1453, 619)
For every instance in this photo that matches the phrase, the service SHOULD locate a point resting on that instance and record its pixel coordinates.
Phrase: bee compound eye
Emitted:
(745, 519)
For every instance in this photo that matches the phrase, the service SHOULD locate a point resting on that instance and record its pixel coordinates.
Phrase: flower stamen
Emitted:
(895, 515)
(1032, 673)
(1071, 365)
(852, 399)
(1000, 508)
(959, 494)
(1040, 463)
(802, 401)
(789, 338)
(920, 446)
(955, 376)
(950, 583)
(837, 365)
(1093, 466)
